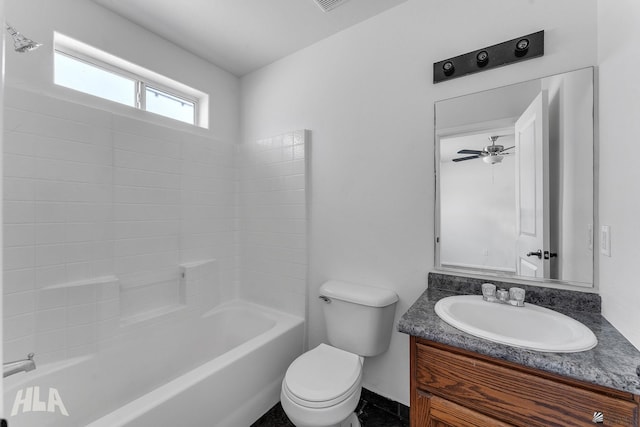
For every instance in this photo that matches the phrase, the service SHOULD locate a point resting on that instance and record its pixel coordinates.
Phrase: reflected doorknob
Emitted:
(537, 253)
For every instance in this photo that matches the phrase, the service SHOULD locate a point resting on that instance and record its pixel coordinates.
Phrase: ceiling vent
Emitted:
(327, 5)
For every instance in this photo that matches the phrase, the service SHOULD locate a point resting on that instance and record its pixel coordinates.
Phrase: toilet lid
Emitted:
(323, 374)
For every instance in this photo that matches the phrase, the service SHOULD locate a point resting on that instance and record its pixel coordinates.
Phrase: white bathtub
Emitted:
(222, 369)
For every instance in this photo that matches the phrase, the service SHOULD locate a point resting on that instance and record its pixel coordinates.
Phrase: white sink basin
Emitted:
(531, 327)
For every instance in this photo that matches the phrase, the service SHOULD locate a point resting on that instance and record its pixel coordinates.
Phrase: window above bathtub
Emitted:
(84, 68)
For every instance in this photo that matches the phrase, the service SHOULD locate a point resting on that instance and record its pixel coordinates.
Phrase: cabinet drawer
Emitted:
(443, 413)
(514, 396)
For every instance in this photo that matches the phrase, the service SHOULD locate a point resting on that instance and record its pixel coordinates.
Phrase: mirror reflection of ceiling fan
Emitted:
(491, 154)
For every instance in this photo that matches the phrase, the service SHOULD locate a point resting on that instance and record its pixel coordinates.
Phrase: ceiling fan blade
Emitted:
(470, 152)
(509, 148)
(460, 159)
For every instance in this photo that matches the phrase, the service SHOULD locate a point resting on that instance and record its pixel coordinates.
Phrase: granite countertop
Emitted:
(612, 363)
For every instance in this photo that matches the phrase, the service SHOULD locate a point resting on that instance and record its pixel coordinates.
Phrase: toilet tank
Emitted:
(359, 318)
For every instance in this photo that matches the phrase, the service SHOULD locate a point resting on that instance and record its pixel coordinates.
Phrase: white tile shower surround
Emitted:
(101, 210)
(273, 221)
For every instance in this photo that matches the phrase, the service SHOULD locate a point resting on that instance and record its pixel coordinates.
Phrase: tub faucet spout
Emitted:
(24, 365)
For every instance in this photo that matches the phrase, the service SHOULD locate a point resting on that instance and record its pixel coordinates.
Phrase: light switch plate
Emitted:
(605, 240)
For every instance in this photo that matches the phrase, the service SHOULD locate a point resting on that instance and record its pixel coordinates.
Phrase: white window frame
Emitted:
(142, 77)
(141, 96)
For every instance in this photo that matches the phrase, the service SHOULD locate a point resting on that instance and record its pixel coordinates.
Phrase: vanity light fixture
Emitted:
(514, 50)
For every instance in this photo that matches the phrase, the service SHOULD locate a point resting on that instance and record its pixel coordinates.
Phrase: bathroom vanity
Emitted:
(461, 380)
(454, 387)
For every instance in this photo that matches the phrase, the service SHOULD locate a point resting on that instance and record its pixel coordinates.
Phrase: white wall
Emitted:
(477, 208)
(619, 93)
(367, 95)
(499, 104)
(571, 141)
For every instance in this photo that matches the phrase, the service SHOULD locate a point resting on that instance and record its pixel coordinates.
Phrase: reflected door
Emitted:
(532, 181)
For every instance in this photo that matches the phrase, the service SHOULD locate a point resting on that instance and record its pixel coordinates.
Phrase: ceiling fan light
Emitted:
(493, 159)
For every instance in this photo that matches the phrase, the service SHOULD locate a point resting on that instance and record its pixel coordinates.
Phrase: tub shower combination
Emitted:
(243, 350)
(154, 328)
(123, 304)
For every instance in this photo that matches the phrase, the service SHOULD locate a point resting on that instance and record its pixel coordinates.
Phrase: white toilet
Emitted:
(322, 386)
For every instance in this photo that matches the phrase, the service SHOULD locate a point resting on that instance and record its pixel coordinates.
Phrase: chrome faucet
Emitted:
(16, 366)
(513, 296)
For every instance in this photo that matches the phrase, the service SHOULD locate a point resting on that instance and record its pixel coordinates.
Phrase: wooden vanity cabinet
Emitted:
(459, 388)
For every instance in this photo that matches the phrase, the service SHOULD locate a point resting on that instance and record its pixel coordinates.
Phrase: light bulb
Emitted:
(493, 159)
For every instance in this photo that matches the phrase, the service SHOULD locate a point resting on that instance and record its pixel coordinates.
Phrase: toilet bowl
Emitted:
(322, 388)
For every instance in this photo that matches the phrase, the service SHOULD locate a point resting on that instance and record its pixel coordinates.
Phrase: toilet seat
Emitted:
(323, 377)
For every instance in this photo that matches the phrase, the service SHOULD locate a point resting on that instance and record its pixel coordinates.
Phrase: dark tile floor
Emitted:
(372, 411)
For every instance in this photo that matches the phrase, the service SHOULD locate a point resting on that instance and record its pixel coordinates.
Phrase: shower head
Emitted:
(21, 43)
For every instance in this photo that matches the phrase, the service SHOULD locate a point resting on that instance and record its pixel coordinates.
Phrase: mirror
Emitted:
(514, 195)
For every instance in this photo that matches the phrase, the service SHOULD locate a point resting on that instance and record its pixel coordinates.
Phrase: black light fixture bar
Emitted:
(515, 50)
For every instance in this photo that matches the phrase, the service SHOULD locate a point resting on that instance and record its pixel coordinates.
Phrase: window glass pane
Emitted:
(79, 75)
(162, 103)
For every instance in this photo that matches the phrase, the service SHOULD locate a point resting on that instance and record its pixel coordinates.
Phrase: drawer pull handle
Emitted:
(598, 417)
